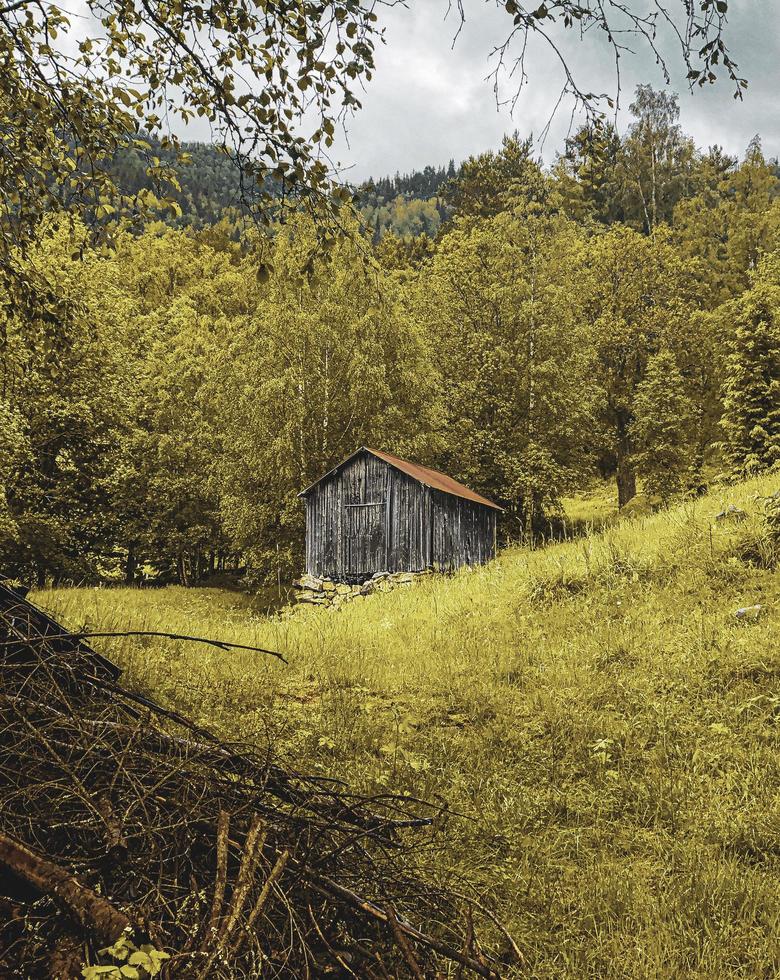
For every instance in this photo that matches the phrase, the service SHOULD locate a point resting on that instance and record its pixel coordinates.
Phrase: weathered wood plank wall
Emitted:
(463, 532)
(409, 544)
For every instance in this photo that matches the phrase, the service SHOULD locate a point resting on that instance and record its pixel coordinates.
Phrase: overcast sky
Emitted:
(430, 102)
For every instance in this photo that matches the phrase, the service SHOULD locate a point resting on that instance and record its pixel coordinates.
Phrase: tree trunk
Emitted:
(626, 477)
(702, 442)
(626, 482)
(131, 566)
(654, 189)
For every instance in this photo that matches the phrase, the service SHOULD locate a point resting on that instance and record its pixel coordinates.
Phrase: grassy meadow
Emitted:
(604, 724)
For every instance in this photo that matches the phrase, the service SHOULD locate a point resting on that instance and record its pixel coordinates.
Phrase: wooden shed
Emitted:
(375, 512)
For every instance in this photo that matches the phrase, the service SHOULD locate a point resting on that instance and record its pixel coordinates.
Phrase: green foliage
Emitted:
(163, 403)
(406, 206)
(77, 94)
(325, 363)
(15, 450)
(656, 160)
(405, 219)
(587, 175)
(640, 297)
(492, 182)
(208, 186)
(61, 399)
(271, 79)
(663, 428)
(131, 962)
(731, 220)
(751, 418)
(497, 303)
(185, 299)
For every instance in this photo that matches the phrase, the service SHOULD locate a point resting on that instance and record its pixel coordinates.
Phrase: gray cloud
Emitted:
(430, 101)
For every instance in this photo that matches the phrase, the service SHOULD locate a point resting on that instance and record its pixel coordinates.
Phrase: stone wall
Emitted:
(324, 592)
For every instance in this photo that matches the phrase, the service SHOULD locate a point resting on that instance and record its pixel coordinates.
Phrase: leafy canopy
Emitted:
(71, 98)
(272, 77)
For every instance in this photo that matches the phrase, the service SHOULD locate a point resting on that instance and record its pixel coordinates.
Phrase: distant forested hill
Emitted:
(210, 184)
(406, 204)
(419, 202)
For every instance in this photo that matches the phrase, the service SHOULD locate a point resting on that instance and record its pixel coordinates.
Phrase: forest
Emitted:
(526, 328)
(561, 763)
(210, 188)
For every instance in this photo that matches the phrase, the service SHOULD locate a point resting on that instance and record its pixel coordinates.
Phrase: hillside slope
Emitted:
(596, 710)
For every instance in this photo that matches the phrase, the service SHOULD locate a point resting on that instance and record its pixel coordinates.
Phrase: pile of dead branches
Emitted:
(123, 825)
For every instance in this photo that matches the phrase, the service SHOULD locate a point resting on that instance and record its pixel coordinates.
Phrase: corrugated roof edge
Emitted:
(423, 474)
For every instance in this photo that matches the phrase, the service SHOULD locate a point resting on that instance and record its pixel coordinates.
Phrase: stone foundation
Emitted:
(325, 592)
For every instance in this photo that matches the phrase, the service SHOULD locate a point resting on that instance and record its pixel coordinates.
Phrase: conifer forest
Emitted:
(559, 761)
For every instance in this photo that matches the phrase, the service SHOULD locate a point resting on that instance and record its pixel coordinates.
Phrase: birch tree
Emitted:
(325, 364)
(655, 163)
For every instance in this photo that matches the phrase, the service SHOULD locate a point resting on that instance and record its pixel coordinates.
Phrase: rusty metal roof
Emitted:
(423, 474)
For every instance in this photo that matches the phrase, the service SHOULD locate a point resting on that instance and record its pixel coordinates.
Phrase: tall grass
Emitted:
(605, 726)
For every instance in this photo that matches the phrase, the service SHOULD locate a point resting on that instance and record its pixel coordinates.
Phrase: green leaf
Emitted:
(140, 958)
(120, 949)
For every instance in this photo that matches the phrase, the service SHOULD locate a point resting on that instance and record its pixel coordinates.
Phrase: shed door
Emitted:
(366, 538)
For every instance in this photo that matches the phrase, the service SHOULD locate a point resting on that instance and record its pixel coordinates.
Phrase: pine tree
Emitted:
(640, 297)
(587, 175)
(492, 182)
(751, 418)
(663, 430)
(731, 222)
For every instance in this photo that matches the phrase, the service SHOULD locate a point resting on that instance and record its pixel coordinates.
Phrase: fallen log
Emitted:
(96, 915)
